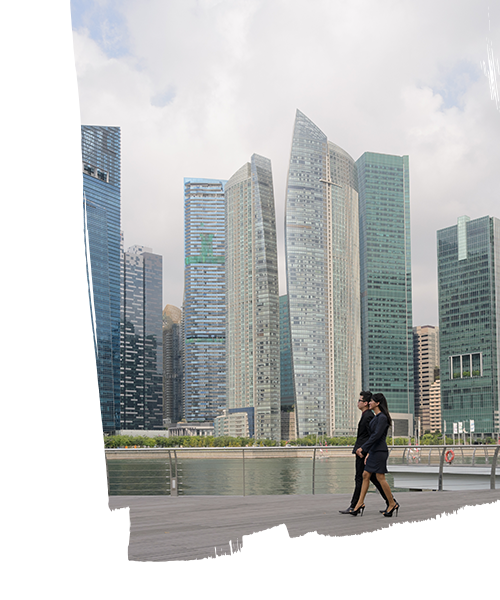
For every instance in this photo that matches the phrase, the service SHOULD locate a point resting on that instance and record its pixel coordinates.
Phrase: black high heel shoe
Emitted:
(355, 513)
(387, 506)
(389, 513)
(347, 511)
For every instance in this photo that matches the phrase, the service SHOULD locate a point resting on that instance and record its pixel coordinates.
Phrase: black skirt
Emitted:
(377, 462)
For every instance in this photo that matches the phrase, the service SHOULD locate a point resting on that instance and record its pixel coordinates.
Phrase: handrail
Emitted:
(314, 469)
(402, 453)
(243, 461)
(493, 468)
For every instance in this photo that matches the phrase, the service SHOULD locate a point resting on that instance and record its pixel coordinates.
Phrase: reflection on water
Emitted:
(219, 477)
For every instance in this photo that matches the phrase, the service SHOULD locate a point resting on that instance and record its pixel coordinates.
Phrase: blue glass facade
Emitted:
(469, 323)
(101, 188)
(142, 341)
(204, 311)
(92, 406)
(385, 267)
(286, 365)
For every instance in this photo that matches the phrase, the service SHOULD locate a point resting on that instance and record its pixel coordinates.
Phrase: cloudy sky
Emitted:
(198, 86)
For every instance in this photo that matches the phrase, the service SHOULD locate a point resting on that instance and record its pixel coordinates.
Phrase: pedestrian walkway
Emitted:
(167, 528)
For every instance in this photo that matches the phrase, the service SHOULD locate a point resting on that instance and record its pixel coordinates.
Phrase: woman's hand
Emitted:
(367, 457)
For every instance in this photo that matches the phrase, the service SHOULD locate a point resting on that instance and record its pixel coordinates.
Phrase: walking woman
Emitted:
(377, 453)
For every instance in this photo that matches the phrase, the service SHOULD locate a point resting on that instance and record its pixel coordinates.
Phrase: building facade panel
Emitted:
(286, 364)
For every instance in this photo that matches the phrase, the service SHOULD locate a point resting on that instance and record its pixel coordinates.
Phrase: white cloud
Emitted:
(207, 84)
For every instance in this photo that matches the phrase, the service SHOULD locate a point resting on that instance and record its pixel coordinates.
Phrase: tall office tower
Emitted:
(92, 405)
(425, 371)
(101, 191)
(386, 303)
(322, 265)
(172, 365)
(142, 340)
(253, 346)
(204, 310)
(469, 323)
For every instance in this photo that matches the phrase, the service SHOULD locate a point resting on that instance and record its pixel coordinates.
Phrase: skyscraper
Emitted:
(469, 323)
(386, 301)
(322, 266)
(253, 351)
(142, 340)
(172, 364)
(426, 371)
(204, 311)
(101, 191)
(92, 402)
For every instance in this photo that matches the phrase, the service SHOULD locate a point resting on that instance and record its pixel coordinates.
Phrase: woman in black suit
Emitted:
(377, 453)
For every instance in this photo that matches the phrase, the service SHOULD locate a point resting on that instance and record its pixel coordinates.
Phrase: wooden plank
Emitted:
(195, 527)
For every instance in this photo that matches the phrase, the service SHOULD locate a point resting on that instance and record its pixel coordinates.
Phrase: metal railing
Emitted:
(451, 456)
(164, 474)
(96, 477)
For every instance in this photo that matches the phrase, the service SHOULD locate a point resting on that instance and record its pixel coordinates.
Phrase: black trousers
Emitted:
(358, 478)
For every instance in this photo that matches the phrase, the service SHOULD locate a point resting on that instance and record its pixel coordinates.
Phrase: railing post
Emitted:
(173, 474)
(493, 468)
(106, 472)
(441, 464)
(314, 467)
(243, 449)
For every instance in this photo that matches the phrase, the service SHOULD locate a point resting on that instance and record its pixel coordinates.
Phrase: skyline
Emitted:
(236, 83)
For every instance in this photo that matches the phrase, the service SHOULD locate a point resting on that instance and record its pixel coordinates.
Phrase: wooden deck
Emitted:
(167, 528)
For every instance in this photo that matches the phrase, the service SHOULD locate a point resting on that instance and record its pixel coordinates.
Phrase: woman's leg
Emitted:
(364, 489)
(387, 490)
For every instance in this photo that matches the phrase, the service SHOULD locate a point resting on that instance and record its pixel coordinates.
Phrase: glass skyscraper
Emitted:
(142, 340)
(92, 405)
(101, 191)
(172, 364)
(386, 300)
(253, 350)
(469, 323)
(322, 265)
(204, 310)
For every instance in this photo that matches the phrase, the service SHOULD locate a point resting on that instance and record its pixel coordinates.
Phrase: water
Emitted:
(224, 476)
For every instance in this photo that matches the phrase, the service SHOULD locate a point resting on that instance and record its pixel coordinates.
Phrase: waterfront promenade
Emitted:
(166, 528)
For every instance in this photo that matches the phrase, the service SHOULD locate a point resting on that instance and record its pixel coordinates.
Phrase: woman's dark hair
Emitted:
(367, 396)
(382, 404)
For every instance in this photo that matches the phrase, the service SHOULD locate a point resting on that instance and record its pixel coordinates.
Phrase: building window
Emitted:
(466, 365)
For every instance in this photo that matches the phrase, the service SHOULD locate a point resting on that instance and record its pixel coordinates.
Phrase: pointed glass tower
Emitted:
(322, 265)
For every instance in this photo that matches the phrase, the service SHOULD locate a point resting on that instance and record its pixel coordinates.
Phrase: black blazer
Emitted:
(378, 433)
(363, 429)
